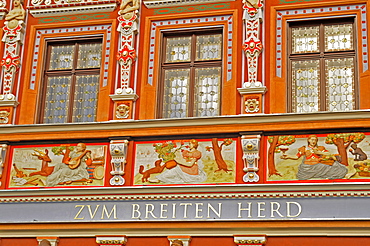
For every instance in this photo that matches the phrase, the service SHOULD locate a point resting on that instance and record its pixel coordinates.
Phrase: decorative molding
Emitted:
(118, 151)
(172, 23)
(127, 95)
(200, 196)
(41, 9)
(251, 149)
(252, 89)
(8, 100)
(72, 18)
(111, 240)
(323, 120)
(192, 9)
(70, 33)
(151, 4)
(281, 17)
(252, 240)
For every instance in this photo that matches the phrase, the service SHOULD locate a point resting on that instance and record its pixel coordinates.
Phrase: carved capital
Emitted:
(47, 241)
(247, 240)
(111, 240)
(179, 240)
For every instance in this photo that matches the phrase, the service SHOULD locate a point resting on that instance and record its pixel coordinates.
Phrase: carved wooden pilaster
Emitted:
(127, 27)
(252, 47)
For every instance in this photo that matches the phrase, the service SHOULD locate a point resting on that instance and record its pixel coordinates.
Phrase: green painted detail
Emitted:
(297, 1)
(190, 9)
(72, 18)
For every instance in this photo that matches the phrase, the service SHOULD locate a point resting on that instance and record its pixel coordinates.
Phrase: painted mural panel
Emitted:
(185, 162)
(58, 165)
(337, 156)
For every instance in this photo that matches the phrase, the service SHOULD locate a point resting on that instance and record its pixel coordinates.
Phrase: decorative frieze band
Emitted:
(115, 197)
(151, 4)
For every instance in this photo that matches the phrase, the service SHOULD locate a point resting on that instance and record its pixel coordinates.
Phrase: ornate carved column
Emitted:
(47, 241)
(124, 96)
(179, 240)
(13, 39)
(118, 151)
(251, 148)
(111, 240)
(253, 89)
(252, 240)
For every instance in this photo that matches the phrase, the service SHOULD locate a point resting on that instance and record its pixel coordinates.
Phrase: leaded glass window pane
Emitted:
(178, 49)
(89, 55)
(339, 37)
(305, 39)
(306, 85)
(86, 97)
(176, 93)
(61, 57)
(340, 85)
(209, 47)
(207, 91)
(57, 96)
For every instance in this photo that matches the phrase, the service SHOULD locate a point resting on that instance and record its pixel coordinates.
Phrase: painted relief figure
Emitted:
(317, 157)
(185, 162)
(61, 165)
(318, 162)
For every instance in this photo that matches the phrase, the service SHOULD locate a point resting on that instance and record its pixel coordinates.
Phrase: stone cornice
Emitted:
(323, 118)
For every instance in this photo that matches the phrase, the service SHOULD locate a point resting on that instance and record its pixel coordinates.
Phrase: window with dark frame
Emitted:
(322, 65)
(71, 81)
(191, 68)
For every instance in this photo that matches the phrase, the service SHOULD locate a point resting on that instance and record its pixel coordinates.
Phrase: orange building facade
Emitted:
(184, 123)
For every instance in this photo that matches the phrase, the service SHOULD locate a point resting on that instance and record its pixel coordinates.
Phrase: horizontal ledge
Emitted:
(188, 189)
(259, 119)
(286, 231)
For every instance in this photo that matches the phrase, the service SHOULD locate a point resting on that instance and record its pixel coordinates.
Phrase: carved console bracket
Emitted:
(251, 148)
(179, 240)
(47, 241)
(252, 240)
(151, 4)
(51, 8)
(118, 151)
(111, 240)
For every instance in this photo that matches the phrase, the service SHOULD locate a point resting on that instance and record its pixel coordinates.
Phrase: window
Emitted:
(322, 61)
(71, 81)
(191, 74)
